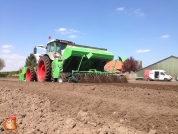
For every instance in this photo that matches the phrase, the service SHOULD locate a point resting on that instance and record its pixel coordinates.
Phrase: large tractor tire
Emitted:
(30, 74)
(44, 69)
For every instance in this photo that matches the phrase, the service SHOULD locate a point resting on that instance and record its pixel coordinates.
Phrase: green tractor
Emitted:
(65, 61)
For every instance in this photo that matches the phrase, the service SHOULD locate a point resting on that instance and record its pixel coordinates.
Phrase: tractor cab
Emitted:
(54, 48)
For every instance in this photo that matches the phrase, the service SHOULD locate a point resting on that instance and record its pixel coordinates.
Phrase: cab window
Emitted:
(50, 47)
(60, 47)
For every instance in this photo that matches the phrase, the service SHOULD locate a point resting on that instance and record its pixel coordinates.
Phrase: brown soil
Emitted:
(137, 107)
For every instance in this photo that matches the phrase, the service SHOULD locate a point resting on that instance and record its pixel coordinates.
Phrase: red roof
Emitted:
(109, 66)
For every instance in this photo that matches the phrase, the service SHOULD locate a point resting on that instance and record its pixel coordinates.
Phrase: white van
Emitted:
(158, 75)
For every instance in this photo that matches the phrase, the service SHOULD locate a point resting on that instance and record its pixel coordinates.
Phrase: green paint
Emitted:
(77, 59)
(22, 74)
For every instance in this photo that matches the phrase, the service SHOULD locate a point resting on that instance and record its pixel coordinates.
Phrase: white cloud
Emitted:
(73, 36)
(13, 56)
(138, 12)
(61, 29)
(165, 36)
(8, 61)
(6, 51)
(73, 31)
(13, 61)
(65, 31)
(6, 46)
(142, 51)
(120, 8)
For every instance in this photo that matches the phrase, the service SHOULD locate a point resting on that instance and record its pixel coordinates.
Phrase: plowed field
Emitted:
(137, 107)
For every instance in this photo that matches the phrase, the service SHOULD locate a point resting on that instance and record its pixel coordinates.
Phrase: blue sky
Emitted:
(145, 30)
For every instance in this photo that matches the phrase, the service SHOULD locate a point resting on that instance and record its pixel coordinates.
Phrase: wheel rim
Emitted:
(28, 75)
(41, 71)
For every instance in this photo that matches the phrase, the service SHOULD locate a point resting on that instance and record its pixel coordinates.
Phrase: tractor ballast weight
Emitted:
(67, 61)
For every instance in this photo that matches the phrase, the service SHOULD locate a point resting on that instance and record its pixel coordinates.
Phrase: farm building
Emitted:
(170, 65)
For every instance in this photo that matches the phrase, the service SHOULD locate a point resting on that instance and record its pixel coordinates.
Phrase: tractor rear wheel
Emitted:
(30, 74)
(44, 69)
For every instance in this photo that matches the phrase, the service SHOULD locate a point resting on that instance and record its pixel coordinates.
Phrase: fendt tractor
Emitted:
(65, 61)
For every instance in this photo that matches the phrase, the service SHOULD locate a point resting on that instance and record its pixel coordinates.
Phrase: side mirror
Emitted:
(35, 50)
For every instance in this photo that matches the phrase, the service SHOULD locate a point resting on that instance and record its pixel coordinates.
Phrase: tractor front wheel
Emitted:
(30, 74)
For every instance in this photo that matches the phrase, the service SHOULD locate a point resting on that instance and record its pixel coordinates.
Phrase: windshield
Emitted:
(60, 47)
